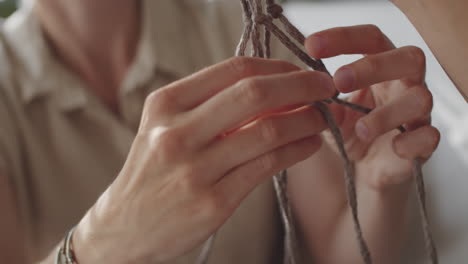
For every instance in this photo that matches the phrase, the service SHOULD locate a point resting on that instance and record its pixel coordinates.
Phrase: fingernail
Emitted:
(345, 80)
(362, 131)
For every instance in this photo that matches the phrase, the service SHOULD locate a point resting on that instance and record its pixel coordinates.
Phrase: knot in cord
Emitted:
(260, 19)
(275, 10)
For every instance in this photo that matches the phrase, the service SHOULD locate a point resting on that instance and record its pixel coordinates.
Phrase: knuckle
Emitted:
(341, 32)
(379, 38)
(417, 55)
(425, 100)
(159, 100)
(167, 143)
(433, 136)
(151, 100)
(375, 124)
(187, 183)
(373, 28)
(267, 163)
(214, 206)
(372, 64)
(269, 131)
(251, 91)
(382, 180)
(241, 66)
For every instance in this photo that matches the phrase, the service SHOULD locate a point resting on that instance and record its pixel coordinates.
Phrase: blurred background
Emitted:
(8, 6)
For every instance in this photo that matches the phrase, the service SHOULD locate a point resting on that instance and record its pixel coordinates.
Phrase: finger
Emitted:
(189, 92)
(421, 142)
(362, 39)
(253, 96)
(407, 63)
(265, 135)
(425, 121)
(241, 181)
(415, 104)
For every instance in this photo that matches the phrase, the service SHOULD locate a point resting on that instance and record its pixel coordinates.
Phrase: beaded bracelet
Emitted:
(65, 254)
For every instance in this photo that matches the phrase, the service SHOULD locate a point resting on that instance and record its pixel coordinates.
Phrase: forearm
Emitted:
(442, 24)
(318, 195)
(384, 219)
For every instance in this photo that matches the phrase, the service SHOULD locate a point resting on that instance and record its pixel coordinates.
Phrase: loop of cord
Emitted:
(254, 18)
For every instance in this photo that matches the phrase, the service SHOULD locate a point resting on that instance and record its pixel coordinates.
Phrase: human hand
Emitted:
(391, 81)
(204, 143)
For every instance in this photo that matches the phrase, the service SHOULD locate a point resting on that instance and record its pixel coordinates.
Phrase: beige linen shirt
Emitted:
(60, 147)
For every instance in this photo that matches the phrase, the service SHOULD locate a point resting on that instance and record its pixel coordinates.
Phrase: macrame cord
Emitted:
(257, 17)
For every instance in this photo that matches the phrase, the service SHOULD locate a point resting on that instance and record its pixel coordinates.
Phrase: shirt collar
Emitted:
(167, 38)
(160, 49)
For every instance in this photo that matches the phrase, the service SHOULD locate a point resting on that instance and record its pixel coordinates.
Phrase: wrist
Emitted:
(387, 190)
(102, 236)
(88, 248)
(384, 181)
(95, 242)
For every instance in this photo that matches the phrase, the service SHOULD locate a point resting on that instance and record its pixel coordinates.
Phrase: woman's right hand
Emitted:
(194, 159)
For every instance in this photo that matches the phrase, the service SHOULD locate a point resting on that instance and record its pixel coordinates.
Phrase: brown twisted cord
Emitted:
(280, 182)
(267, 37)
(420, 188)
(268, 23)
(290, 253)
(349, 168)
(257, 50)
(247, 15)
(349, 180)
(267, 41)
(276, 11)
(247, 34)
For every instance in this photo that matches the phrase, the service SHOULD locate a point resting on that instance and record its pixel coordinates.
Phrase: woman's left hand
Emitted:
(391, 81)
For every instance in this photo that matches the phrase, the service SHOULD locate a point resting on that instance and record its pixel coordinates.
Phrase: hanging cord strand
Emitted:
(247, 16)
(257, 10)
(430, 244)
(205, 252)
(281, 186)
(290, 254)
(349, 168)
(280, 182)
(350, 181)
(267, 37)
